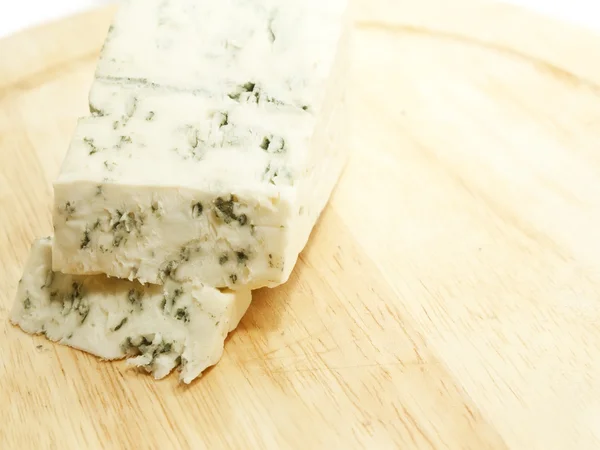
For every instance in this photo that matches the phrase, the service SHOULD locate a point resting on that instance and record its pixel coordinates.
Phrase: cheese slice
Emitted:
(158, 328)
(211, 150)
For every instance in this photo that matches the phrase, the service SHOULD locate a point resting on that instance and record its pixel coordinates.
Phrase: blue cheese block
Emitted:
(214, 46)
(157, 328)
(210, 151)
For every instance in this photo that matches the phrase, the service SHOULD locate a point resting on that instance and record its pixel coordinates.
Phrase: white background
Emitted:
(19, 14)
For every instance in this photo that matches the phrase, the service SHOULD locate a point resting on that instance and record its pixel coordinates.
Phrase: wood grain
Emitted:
(448, 298)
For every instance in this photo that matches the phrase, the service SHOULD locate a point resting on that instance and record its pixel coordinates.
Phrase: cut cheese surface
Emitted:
(158, 328)
(210, 151)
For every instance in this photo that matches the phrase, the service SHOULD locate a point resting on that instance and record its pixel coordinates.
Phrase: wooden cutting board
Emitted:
(448, 298)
